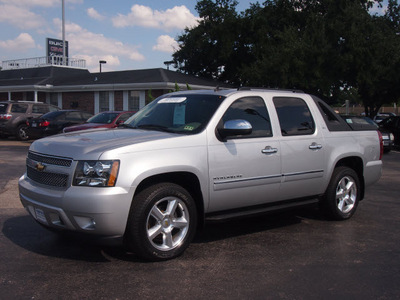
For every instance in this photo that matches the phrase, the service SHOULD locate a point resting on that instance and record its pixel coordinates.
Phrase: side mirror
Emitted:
(235, 128)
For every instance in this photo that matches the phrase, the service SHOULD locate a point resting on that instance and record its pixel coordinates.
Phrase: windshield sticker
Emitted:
(173, 100)
(188, 128)
(179, 115)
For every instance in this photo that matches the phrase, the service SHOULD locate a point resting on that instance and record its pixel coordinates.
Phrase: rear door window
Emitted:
(39, 109)
(19, 108)
(294, 116)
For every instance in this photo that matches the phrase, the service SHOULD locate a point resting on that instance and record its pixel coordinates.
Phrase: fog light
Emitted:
(85, 223)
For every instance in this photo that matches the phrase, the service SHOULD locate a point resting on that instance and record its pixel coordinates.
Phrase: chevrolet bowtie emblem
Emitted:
(40, 167)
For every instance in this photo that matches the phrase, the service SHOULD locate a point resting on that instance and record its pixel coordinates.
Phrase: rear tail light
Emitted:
(5, 117)
(44, 124)
(380, 144)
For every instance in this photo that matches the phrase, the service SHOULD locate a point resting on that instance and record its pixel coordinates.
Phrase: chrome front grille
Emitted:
(51, 160)
(48, 170)
(53, 179)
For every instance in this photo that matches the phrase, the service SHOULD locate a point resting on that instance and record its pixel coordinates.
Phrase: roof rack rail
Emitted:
(246, 88)
(23, 101)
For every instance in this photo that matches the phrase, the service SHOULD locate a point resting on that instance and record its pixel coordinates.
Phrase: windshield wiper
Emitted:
(123, 125)
(154, 127)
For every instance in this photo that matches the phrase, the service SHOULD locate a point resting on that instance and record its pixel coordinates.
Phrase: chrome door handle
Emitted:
(269, 150)
(315, 146)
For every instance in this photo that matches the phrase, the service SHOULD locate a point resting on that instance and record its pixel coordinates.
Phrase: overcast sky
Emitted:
(127, 34)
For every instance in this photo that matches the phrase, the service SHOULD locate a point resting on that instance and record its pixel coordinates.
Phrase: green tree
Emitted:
(333, 48)
(207, 49)
(379, 80)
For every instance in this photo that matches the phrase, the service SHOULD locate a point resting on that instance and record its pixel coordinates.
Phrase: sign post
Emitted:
(55, 51)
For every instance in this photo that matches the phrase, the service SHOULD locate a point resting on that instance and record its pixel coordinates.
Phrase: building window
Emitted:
(133, 100)
(54, 99)
(104, 101)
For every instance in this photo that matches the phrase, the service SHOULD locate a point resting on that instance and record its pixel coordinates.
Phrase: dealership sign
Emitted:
(55, 48)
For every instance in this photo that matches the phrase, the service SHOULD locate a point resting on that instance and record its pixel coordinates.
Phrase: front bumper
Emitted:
(91, 210)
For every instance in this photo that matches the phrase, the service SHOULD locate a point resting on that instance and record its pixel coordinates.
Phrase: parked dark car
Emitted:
(14, 114)
(107, 119)
(382, 116)
(365, 123)
(54, 122)
(392, 124)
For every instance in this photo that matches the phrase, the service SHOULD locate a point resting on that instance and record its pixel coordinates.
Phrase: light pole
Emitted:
(167, 63)
(101, 62)
(63, 32)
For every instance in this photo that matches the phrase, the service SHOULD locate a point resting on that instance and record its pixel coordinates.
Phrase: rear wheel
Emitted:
(162, 222)
(342, 195)
(21, 132)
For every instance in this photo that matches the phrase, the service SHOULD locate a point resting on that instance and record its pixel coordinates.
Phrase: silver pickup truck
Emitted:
(193, 156)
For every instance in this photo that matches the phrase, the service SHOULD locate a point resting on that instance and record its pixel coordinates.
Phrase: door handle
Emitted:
(315, 146)
(269, 150)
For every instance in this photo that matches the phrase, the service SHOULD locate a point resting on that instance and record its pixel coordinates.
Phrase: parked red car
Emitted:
(107, 119)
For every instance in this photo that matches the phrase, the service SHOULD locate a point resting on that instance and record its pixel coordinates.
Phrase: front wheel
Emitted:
(162, 222)
(342, 195)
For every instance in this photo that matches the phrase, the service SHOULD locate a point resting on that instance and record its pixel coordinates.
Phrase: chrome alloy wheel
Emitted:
(167, 223)
(346, 194)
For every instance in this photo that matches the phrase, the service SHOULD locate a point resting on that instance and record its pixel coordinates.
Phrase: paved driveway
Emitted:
(296, 255)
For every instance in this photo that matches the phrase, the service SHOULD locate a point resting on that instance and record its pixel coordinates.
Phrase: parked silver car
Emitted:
(193, 156)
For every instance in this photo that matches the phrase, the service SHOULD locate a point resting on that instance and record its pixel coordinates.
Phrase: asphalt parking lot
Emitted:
(293, 255)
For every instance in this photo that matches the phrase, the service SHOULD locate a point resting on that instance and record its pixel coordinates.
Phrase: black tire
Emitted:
(21, 133)
(162, 222)
(342, 195)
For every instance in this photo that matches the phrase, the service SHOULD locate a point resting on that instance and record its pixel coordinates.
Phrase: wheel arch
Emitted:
(355, 163)
(187, 180)
(23, 122)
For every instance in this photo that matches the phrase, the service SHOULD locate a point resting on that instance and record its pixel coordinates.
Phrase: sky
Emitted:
(126, 34)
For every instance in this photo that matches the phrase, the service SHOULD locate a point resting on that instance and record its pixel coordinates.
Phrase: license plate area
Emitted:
(40, 216)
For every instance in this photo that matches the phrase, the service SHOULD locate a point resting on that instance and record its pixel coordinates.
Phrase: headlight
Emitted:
(96, 173)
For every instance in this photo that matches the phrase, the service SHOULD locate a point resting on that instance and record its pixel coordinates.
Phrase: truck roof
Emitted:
(227, 92)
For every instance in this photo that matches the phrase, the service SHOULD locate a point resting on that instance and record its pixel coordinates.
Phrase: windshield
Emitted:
(103, 118)
(52, 115)
(185, 114)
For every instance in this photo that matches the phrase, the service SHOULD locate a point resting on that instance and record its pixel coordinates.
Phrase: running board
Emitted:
(248, 211)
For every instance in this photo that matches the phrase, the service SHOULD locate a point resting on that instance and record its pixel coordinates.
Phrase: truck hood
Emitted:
(85, 126)
(91, 144)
